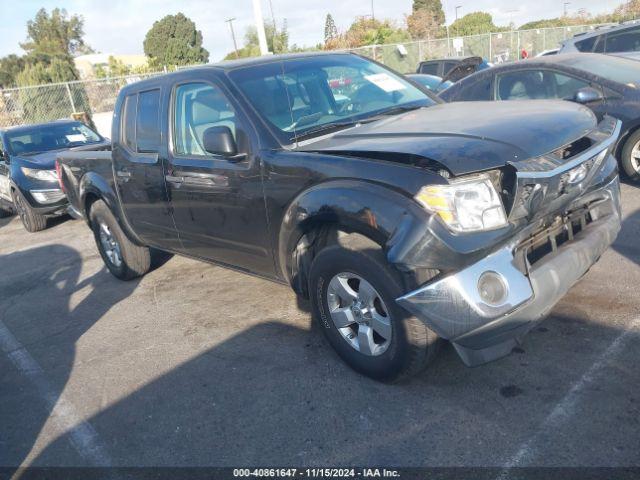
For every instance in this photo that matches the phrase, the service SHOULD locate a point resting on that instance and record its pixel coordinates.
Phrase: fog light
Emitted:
(492, 288)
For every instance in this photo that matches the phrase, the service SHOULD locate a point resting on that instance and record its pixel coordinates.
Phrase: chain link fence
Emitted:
(494, 47)
(97, 98)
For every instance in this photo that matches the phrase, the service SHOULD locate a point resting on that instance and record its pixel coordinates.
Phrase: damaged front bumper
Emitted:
(536, 269)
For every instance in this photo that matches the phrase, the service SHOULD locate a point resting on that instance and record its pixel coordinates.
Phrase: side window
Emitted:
(627, 40)
(478, 90)
(528, 84)
(148, 121)
(447, 67)
(566, 86)
(198, 106)
(429, 68)
(129, 121)
(587, 44)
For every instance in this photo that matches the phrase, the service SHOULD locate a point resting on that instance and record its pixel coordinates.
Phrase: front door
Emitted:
(218, 203)
(139, 171)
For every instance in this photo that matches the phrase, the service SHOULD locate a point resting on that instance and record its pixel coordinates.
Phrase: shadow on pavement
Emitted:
(37, 285)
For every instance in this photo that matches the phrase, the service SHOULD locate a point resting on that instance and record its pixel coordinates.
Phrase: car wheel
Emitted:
(630, 159)
(124, 259)
(353, 294)
(32, 221)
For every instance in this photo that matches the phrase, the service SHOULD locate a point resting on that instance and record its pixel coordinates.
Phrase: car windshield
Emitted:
(305, 96)
(616, 69)
(43, 138)
(431, 82)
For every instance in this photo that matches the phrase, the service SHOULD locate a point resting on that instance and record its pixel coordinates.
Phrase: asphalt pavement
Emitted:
(196, 365)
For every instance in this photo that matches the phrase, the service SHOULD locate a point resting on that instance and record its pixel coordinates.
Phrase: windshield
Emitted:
(300, 97)
(42, 138)
(431, 82)
(616, 69)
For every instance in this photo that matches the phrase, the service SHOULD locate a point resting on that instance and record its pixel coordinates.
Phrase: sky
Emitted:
(119, 26)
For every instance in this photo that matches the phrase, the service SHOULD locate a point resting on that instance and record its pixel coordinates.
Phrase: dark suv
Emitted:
(620, 38)
(28, 180)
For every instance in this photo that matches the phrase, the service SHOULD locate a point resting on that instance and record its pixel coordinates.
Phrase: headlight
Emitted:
(466, 205)
(46, 175)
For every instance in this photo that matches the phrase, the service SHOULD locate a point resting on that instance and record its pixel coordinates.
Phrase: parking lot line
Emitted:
(564, 409)
(83, 436)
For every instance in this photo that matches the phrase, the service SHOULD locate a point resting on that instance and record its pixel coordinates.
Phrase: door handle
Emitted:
(124, 175)
(198, 179)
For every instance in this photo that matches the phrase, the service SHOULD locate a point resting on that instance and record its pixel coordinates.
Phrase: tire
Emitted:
(412, 345)
(124, 259)
(631, 165)
(32, 221)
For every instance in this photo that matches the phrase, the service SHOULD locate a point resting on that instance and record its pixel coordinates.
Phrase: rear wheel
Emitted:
(32, 221)
(124, 259)
(353, 294)
(630, 159)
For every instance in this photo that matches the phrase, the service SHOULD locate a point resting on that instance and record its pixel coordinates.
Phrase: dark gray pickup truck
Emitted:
(401, 219)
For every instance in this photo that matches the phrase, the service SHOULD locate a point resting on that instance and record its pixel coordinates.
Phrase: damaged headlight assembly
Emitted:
(468, 204)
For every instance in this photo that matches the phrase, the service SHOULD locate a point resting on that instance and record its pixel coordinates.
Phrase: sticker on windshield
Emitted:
(76, 137)
(385, 82)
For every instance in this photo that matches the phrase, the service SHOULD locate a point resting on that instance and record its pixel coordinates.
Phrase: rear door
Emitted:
(218, 202)
(139, 172)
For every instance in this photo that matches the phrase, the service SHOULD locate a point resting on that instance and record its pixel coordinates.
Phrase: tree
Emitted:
(473, 24)
(368, 31)
(174, 40)
(627, 11)
(10, 67)
(330, 29)
(423, 24)
(434, 7)
(277, 41)
(54, 35)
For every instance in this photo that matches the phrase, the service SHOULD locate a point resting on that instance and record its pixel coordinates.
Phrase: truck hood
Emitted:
(47, 160)
(464, 137)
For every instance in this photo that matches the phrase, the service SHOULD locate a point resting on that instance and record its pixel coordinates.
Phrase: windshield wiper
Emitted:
(334, 126)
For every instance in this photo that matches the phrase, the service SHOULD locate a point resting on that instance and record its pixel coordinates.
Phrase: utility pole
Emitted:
(566, 4)
(233, 35)
(262, 38)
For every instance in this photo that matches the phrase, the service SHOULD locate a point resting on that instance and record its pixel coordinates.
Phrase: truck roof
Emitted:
(17, 128)
(228, 65)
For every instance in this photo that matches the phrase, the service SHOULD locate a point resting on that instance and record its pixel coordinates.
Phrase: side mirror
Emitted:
(587, 95)
(219, 141)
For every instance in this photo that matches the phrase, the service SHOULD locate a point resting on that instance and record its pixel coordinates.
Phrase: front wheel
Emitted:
(32, 221)
(630, 158)
(353, 294)
(124, 259)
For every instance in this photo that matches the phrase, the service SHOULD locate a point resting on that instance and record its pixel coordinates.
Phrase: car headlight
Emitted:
(46, 175)
(467, 205)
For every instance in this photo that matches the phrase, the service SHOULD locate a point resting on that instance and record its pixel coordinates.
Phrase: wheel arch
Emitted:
(325, 213)
(94, 187)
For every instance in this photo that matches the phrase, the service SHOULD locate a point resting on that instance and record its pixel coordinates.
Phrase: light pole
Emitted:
(373, 17)
(566, 4)
(457, 7)
(233, 35)
(262, 38)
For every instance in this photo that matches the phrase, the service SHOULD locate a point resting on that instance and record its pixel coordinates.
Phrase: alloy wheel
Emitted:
(110, 245)
(359, 314)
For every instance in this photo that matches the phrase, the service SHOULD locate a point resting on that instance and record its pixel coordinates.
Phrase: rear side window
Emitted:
(429, 68)
(447, 67)
(148, 122)
(129, 121)
(477, 91)
(587, 44)
(627, 40)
